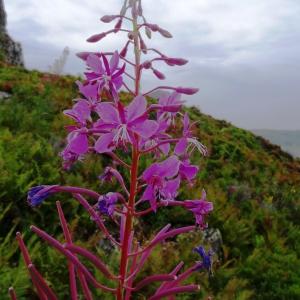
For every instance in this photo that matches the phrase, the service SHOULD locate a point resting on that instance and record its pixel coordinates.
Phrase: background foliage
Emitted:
(254, 185)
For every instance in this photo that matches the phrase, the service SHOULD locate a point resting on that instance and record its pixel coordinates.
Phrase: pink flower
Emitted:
(188, 141)
(160, 182)
(108, 77)
(200, 208)
(124, 125)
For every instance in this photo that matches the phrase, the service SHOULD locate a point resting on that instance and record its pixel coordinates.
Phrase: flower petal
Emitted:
(146, 129)
(94, 62)
(108, 113)
(78, 143)
(114, 62)
(169, 167)
(181, 146)
(104, 143)
(136, 108)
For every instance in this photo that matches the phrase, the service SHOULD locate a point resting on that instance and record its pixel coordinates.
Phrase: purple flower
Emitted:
(78, 141)
(80, 112)
(169, 105)
(200, 208)
(69, 158)
(106, 203)
(206, 262)
(187, 171)
(108, 77)
(123, 124)
(90, 92)
(158, 137)
(160, 185)
(188, 140)
(37, 194)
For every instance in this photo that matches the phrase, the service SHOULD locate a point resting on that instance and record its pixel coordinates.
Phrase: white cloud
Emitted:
(240, 49)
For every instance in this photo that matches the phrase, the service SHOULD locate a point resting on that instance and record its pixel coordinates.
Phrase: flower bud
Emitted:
(143, 46)
(186, 91)
(124, 50)
(158, 74)
(153, 27)
(96, 37)
(148, 32)
(176, 61)
(164, 33)
(130, 35)
(146, 65)
(83, 55)
(118, 25)
(108, 18)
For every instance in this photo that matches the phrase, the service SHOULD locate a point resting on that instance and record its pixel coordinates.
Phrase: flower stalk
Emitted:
(104, 125)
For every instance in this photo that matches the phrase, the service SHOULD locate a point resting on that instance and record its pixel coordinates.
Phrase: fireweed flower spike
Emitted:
(128, 134)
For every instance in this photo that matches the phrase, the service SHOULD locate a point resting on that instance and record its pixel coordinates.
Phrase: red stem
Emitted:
(27, 260)
(68, 238)
(128, 222)
(182, 289)
(41, 282)
(12, 293)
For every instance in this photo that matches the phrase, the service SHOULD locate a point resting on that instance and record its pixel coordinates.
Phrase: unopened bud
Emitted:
(186, 91)
(158, 74)
(143, 46)
(176, 61)
(118, 25)
(124, 50)
(146, 65)
(96, 37)
(148, 32)
(131, 35)
(165, 33)
(108, 18)
(153, 27)
(83, 55)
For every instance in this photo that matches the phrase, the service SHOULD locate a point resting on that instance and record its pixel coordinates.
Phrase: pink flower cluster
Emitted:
(104, 125)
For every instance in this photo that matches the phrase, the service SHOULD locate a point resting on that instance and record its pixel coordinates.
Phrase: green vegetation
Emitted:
(254, 185)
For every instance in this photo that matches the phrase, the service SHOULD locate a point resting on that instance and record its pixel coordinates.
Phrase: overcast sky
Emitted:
(244, 55)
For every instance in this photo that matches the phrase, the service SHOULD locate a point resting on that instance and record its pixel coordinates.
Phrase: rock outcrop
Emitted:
(10, 51)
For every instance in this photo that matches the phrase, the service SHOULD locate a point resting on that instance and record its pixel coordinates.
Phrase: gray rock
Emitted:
(2, 16)
(4, 95)
(213, 237)
(10, 50)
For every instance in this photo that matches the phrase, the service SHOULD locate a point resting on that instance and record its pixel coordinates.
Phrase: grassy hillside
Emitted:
(254, 185)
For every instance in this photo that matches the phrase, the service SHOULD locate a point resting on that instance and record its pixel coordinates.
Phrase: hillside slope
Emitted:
(254, 185)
